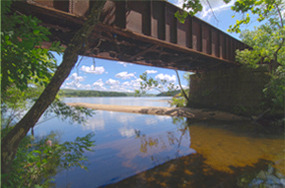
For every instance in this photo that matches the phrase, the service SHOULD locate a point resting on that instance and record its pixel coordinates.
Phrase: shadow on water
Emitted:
(241, 128)
(191, 171)
(228, 154)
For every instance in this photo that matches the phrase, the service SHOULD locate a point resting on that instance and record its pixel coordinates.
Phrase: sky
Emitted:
(219, 14)
(105, 75)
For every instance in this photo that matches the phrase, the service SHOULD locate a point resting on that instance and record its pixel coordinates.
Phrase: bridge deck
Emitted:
(141, 32)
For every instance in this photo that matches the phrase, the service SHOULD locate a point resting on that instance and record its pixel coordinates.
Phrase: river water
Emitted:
(135, 150)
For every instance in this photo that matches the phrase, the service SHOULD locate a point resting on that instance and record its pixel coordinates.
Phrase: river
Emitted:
(135, 150)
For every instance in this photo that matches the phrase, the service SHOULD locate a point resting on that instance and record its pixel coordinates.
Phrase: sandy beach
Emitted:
(164, 111)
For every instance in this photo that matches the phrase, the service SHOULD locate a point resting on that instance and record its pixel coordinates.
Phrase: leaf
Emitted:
(36, 32)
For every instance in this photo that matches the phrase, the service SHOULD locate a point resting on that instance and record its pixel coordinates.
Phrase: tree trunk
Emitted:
(182, 90)
(11, 141)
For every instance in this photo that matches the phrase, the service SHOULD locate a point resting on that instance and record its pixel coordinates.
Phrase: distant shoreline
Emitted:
(94, 93)
(164, 111)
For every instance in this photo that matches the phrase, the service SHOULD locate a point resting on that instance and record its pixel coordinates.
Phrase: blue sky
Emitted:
(106, 75)
(219, 15)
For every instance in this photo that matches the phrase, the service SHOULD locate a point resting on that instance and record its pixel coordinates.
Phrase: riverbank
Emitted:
(164, 111)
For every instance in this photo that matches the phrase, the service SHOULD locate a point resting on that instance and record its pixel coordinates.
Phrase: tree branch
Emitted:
(280, 15)
(182, 90)
(282, 25)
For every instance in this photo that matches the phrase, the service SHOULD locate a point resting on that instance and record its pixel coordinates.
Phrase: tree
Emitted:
(26, 68)
(267, 42)
(22, 59)
(11, 141)
(149, 83)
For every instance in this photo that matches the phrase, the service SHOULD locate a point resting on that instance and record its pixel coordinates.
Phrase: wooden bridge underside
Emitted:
(121, 37)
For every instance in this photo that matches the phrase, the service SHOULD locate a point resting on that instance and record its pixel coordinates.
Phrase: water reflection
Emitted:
(95, 124)
(124, 146)
(228, 154)
(171, 151)
(141, 149)
(127, 132)
(126, 118)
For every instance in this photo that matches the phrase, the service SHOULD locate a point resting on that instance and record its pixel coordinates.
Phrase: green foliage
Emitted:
(190, 7)
(169, 93)
(38, 160)
(263, 9)
(181, 16)
(74, 114)
(275, 90)
(149, 83)
(193, 6)
(178, 101)
(26, 68)
(268, 45)
(17, 102)
(22, 58)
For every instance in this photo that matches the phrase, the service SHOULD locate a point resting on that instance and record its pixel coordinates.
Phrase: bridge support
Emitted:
(238, 90)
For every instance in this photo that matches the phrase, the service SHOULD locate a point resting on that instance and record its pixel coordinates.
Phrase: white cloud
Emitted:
(97, 123)
(75, 82)
(87, 86)
(163, 118)
(123, 63)
(133, 84)
(127, 132)
(151, 71)
(114, 85)
(166, 77)
(92, 69)
(206, 13)
(125, 119)
(217, 7)
(75, 76)
(112, 82)
(136, 83)
(157, 119)
(72, 85)
(151, 121)
(185, 86)
(125, 75)
(76, 85)
(99, 85)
